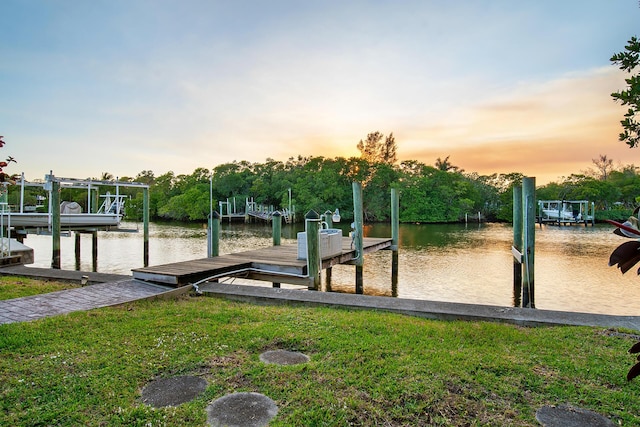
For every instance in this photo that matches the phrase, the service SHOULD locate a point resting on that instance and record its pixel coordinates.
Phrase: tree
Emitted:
(106, 176)
(376, 200)
(446, 166)
(369, 147)
(627, 181)
(604, 165)
(232, 179)
(4, 177)
(146, 177)
(388, 150)
(629, 61)
(375, 150)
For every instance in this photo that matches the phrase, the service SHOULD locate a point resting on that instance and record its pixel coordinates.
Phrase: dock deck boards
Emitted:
(276, 263)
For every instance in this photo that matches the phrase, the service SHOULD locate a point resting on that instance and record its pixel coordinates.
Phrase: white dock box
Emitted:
(330, 243)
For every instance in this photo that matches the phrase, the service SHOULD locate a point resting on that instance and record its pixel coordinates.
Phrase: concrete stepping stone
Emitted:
(173, 391)
(570, 416)
(283, 357)
(241, 410)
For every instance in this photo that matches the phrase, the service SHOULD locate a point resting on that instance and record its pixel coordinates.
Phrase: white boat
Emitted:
(44, 220)
(558, 213)
(565, 211)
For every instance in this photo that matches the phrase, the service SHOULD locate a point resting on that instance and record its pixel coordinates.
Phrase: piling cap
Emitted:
(312, 215)
(277, 213)
(216, 215)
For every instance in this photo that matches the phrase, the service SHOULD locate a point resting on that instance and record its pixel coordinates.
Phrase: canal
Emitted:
(469, 263)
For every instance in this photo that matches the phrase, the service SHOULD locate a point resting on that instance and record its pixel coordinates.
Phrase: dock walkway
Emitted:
(272, 264)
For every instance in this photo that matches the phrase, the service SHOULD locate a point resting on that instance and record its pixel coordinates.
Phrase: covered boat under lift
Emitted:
(108, 215)
(566, 212)
(64, 216)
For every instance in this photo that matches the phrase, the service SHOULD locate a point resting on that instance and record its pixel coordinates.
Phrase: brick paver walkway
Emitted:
(78, 299)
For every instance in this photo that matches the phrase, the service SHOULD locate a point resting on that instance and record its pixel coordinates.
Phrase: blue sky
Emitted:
(123, 86)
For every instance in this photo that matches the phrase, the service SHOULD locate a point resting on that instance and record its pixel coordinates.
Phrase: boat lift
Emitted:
(566, 212)
(53, 221)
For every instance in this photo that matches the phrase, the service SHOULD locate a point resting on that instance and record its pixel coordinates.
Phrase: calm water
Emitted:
(458, 263)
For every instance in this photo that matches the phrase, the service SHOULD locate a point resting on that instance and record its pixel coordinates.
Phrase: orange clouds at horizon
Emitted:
(548, 131)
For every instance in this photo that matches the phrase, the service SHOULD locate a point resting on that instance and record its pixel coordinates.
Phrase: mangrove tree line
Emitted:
(429, 194)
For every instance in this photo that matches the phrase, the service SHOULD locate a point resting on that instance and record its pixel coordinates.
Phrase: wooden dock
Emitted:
(277, 264)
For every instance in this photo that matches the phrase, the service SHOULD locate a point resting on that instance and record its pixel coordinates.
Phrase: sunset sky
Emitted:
(123, 86)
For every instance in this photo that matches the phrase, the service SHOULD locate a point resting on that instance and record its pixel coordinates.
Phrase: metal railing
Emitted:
(5, 241)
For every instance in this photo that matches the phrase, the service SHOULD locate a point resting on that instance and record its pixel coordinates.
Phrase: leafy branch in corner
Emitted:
(625, 257)
(629, 61)
(4, 177)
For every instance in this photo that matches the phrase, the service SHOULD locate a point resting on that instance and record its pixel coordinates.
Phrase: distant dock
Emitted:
(228, 210)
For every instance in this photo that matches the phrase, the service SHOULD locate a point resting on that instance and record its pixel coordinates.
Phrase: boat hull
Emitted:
(555, 214)
(41, 220)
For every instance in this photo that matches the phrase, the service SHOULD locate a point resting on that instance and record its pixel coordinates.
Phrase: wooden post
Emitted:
(517, 245)
(358, 240)
(328, 219)
(145, 220)
(312, 229)
(55, 224)
(77, 250)
(528, 239)
(213, 243)
(395, 240)
(276, 225)
(213, 237)
(94, 250)
(210, 234)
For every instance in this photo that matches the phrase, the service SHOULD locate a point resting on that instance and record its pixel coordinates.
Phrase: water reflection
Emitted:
(460, 263)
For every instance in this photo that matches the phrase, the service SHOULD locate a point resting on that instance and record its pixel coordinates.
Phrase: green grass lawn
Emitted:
(366, 368)
(18, 287)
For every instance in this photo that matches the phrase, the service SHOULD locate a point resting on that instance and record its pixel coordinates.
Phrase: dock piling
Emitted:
(528, 239)
(55, 224)
(77, 250)
(276, 226)
(358, 219)
(213, 235)
(145, 220)
(94, 250)
(312, 228)
(395, 239)
(328, 219)
(517, 245)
